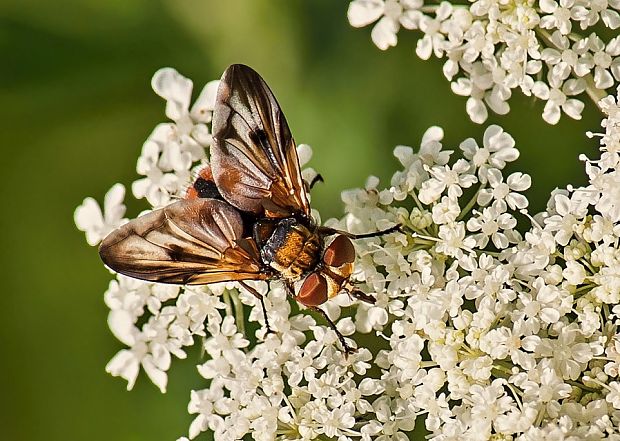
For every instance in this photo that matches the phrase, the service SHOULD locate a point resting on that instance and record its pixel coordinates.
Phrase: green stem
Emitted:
(500, 373)
(605, 313)
(593, 92)
(417, 202)
(239, 317)
(470, 204)
(583, 290)
(503, 365)
(516, 393)
(226, 297)
(588, 265)
(488, 252)
(581, 386)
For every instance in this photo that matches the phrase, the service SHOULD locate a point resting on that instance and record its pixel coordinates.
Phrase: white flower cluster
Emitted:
(482, 331)
(168, 157)
(492, 47)
(173, 148)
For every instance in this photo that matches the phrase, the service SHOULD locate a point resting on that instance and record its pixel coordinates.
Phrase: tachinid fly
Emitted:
(246, 217)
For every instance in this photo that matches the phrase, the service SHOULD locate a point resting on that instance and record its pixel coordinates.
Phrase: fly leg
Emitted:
(290, 290)
(260, 297)
(361, 295)
(317, 178)
(350, 289)
(347, 349)
(329, 231)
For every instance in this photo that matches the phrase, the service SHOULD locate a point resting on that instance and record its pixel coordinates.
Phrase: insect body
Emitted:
(292, 249)
(246, 217)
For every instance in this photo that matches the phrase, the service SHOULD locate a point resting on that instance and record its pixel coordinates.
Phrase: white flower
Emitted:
(600, 60)
(589, 13)
(557, 99)
(505, 191)
(97, 225)
(177, 91)
(489, 402)
(126, 364)
(544, 385)
(569, 354)
(336, 422)
(173, 148)
(453, 241)
(498, 149)
(613, 396)
(562, 59)
(433, 39)
(483, 332)
(391, 15)
(491, 47)
(574, 273)
(454, 179)
(490, 223)
(560, 15)
(157, 186)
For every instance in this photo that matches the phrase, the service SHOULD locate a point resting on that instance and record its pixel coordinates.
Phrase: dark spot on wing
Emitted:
(259, 137)
(176, 253)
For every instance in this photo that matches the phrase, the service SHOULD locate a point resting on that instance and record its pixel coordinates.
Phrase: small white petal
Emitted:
(304, 153)
(113, 204)
(156, 375)
(202, 108)
(87, 217)
(383, 34)
(611, 18)
(424, 47)
(540, 90)
(517, 201)
(124, 364)
(175, 89)
(573, 108)
(551, 112)
(519, 181)
(602, 78)
(476, 110)
(433, 133)
(363, 12)
(462, 86)
(121, 324)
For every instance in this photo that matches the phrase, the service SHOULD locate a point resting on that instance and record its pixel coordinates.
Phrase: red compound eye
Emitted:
(339, 252)
(313, 292)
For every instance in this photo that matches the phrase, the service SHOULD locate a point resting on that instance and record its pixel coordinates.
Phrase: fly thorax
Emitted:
(292, 249)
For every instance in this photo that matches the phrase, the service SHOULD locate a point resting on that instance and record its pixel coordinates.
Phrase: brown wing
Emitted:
(253, 155)
(189, 242)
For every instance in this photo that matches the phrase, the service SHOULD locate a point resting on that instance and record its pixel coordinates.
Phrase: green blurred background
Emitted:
(76, 105)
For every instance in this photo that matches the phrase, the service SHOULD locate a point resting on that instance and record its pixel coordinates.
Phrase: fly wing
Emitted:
(253, 155)
(190, 242)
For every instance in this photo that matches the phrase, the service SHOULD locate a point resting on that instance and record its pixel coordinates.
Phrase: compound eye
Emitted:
(339, 252)
(313, 291)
